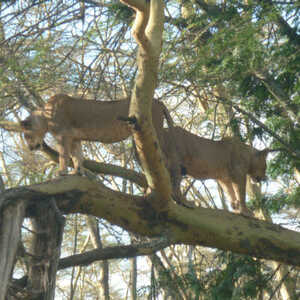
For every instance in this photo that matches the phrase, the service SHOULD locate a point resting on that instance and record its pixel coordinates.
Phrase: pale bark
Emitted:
(180, 225)
(147, 31)
(133, 278)
(102, 168)
(10, 126)
(104, 266)
(297, 175)
(187, 9)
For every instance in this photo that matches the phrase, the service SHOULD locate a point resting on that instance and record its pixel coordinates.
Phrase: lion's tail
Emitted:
(168, 116)
(175, 168)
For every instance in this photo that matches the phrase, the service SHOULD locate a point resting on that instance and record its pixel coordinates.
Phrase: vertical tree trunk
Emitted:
(96, 240)
(133, 278)
(46, 245)
(11, 219)
(147, 31)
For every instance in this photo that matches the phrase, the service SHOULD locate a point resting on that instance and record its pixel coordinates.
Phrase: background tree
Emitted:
(226, 68)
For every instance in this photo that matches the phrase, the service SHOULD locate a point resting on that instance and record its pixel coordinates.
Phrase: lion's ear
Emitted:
(26, 124)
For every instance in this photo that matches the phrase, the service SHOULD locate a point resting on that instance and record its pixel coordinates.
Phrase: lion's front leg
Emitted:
(64, 149)
(240, 191)
(236, 190)
(227, 186)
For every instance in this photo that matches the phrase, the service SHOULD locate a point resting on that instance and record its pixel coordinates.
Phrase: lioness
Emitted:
(71, 120)
(228, 161)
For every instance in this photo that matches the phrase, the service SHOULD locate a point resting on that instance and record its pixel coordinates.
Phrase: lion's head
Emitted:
(34, 128)
(258, 165)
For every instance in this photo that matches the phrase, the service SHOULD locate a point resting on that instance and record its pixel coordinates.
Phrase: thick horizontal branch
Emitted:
(199, 226)
(110, 169)
(116, 252)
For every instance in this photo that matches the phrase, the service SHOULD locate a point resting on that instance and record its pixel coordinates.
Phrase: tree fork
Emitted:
(147, 31)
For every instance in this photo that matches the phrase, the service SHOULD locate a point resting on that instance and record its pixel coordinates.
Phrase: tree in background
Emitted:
(228, 68)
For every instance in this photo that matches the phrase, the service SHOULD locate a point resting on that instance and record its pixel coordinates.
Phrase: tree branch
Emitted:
(142, 9)
(200, 226)
(278, 93)
(102, 168)
(137, 5)
(10, 126)
(149, 38)
(116, 252)
(273, 134)
(283, 24)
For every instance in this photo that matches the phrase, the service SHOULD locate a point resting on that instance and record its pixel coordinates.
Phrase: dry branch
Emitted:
(10, 126)
(116, 252)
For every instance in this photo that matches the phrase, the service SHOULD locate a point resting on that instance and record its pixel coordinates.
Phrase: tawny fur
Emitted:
(71, 120)
(229, 161)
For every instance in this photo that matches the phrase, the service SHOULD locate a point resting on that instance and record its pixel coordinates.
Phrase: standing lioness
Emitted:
(71, 120)
(229, 161)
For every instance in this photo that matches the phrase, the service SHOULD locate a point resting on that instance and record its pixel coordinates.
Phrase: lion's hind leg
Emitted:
(77, 158)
